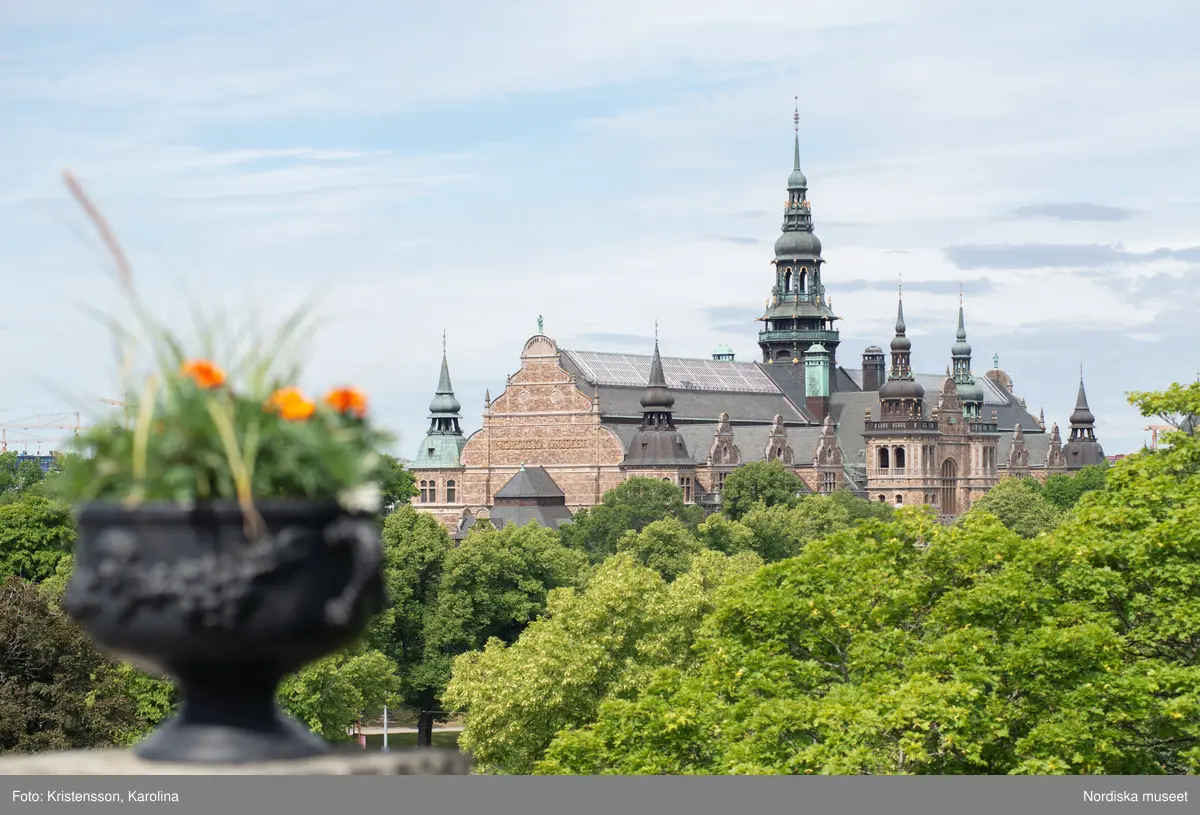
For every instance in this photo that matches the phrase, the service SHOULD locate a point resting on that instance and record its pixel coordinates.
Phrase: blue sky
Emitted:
(470, 167)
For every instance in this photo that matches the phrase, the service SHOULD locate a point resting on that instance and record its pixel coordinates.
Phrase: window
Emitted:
(829, 483)
(433, 492)
(430, 450)
(424, 492)
(899, 500)
(899, 458)
(721, 481)
(687, 489)
(882, 500)
(787, 279)
(883, 460)
(451, 489)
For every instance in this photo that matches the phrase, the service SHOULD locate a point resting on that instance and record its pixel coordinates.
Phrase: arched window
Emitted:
(899, 500)
(883, 458)
(949, 479)
(882, 500)
(424, 492)
(787, 279)
(899, 457)
(802, 280)
(433, 492)
(687, 489)
(451, 490)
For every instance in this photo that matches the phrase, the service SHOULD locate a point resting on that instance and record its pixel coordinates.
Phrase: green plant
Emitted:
(195, 431)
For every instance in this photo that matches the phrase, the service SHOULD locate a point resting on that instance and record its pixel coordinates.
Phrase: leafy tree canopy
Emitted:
(1020, 506)
(57, 692)
(35, 534)
(911, 647)
(768, 482)
(396, 483)
(1064, 490)
(332, 694)
(592, 642)
(630, 506)
(665, 546)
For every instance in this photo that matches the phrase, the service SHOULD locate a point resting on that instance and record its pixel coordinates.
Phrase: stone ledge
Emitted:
(412, 761)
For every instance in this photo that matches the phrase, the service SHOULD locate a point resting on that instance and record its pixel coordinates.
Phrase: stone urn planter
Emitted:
(184, 592)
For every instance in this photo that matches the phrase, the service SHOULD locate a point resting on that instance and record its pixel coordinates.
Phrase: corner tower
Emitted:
(444, 440)
(798, 315)
(1082, 449)
(970, 392)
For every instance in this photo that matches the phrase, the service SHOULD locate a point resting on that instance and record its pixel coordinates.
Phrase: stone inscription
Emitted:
(543, 444)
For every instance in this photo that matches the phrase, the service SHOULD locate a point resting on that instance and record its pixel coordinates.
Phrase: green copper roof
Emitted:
(797, 181)
(723, 349)
(444, 403)
(444, 441)
(961, 349)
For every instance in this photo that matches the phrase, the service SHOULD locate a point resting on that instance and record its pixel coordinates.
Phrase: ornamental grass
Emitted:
(221, 418)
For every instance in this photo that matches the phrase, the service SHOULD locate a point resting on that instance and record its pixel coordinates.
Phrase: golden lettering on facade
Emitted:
(541, 444)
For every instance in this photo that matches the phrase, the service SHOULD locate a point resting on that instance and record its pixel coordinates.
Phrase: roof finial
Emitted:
(996, 361)
(443, 342)
(900, 285)
(1081, 370)
(796, 116)
(960, 294)
(656, 332)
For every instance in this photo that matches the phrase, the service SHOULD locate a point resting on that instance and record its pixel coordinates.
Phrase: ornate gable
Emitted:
(950, 410)
(828, 452)
(1018, 456)
(1055, 460)
(541, 385)
(777, 442)
(723, 451)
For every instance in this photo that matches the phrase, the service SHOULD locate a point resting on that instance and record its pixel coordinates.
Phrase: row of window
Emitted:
(896, 458)
(429, 491)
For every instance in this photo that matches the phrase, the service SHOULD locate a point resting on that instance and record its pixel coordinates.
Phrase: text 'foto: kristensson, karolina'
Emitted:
(73, 797)
(1111, 796)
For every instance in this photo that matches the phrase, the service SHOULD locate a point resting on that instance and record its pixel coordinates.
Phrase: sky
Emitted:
(466, 167)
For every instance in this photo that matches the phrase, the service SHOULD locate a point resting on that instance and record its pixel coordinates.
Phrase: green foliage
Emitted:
(665, 546)
(35, 534)
(859, 509)
(781, 531)
(17, 477)
(912, 647)
(600, 640)
(1020, 506)
(491, 587)
(1064, 490)
(721, 534)
(396, 484)
(630, 506)
(57, 692)
(332, 693)
(769, 482)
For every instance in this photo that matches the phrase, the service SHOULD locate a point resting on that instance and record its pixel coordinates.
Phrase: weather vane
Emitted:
(796, 116)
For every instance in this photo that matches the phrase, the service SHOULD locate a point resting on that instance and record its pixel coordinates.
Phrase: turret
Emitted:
(1082, 449)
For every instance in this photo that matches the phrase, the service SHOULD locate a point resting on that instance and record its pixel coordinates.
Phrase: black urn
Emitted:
(185, 592)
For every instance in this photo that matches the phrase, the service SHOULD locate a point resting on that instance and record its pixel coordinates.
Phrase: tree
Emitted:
(396, 483)
(17, 476)
(57, 692)
(860, 509)
(1020, 506)
(632, 505)
(35, 533)
(912, 647)
(782, 530)
(332, 693)
(492, 587)
(415, 546)
(1064, 490)
(767, 481)
(665, 546)
(602, 640)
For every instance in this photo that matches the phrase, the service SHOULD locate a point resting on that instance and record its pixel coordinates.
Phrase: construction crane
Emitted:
(52, 421)
(1155, 429)
(55, 421)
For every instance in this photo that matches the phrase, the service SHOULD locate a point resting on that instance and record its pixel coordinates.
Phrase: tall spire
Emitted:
(1082, 449)
(444, 440)
(657, 442)
(970, 393)
(657, 399)
(901, 395)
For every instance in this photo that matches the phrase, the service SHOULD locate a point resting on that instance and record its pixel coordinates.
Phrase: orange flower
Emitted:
(204, 373)
(291, 404)
(348, 400)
